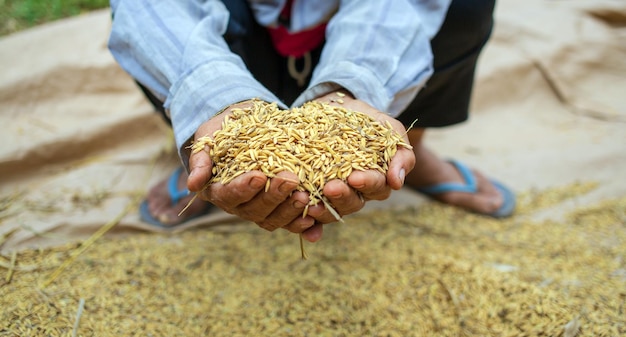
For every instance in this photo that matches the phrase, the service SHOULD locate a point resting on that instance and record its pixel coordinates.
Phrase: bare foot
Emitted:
(431, 170)
(160, 203)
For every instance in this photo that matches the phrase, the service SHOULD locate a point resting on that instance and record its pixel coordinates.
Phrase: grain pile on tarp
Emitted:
(432, 271)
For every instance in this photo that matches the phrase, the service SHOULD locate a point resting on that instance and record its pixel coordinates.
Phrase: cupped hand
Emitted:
(271, 205)
(361, 186)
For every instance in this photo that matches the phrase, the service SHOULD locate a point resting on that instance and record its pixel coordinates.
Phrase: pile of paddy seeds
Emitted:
(431, 270)
(317, 142)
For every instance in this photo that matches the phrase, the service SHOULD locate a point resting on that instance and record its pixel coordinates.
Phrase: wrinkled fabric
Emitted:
(80, 145)
(378, 50)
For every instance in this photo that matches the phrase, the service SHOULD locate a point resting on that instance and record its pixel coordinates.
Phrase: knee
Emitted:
(471, 16)
(465, 31)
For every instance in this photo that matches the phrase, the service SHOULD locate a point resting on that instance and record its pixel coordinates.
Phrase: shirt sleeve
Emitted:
(177, 50)
(379, 51)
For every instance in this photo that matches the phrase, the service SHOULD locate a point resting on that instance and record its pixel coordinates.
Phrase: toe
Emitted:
(161, 208)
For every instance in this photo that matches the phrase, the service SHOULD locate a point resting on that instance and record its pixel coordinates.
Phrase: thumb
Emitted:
(200, 163)
(401, 164)
(200, 167)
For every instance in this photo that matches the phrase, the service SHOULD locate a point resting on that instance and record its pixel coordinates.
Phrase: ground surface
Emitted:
(427, 271)
(81, 146)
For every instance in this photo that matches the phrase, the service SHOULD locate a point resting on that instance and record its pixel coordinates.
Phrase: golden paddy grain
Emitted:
(317, 142)
(420, 271)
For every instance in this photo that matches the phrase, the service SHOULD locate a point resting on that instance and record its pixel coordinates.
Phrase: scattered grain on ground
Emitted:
(427, 271)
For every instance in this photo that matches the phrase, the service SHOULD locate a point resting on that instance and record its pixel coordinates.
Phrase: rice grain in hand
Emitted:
(317, 142)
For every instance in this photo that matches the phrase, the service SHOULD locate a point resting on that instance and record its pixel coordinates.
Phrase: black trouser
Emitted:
(445, 99)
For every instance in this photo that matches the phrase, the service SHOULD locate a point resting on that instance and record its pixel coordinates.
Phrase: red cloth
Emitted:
(295, 44)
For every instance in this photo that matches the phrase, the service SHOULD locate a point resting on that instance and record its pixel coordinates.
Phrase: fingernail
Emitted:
(257, 182)
(192, 173)
(298, 204)
(338, 195)
(402, 175)
(191, 178)
(285, 187)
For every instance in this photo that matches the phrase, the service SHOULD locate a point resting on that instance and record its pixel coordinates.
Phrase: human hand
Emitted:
(281, 206)
(362, 186)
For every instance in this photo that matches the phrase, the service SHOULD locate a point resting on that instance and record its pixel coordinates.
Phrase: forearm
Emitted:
(176, 49)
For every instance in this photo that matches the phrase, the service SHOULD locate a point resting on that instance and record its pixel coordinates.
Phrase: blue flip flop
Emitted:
(470, 186)
(175, 195)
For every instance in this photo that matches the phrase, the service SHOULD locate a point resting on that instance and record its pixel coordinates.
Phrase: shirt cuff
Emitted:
(360, 81)
(204, 92)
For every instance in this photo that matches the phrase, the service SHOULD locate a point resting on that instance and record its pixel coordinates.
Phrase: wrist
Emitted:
(239, 105)
(336, 97)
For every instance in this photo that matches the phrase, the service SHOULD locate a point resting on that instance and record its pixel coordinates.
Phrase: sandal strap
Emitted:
(176, 194)
(470, 185)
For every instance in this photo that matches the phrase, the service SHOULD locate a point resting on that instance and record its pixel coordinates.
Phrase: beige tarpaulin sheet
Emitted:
(79, 144)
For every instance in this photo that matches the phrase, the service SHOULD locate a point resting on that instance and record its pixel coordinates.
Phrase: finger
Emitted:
(200, 166)
(403, 161)
(322, 215)
(344, 199)
(401, 164)
(371, 184)
(288, 213)
(300, 224)
(313, 233)
(275, 193)
(237, 192)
